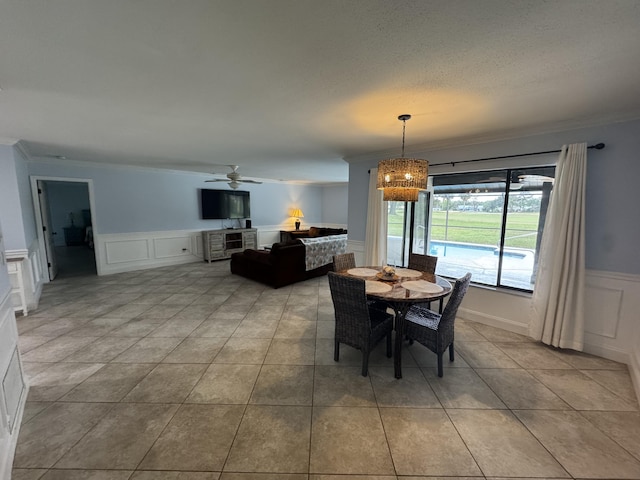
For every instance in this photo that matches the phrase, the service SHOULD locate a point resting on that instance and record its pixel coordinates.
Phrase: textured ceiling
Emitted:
(288, 89)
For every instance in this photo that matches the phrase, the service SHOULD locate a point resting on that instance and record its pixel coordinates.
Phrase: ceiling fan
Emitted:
(233, 178)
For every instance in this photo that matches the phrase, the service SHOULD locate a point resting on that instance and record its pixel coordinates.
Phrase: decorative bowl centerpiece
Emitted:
(388, 274)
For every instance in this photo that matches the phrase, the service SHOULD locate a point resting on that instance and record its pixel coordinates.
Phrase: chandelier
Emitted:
(401, 179)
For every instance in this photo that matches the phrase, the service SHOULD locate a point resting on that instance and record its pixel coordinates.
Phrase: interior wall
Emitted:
(130, 199)
(26, 200)
(335, 199)
(10, 211)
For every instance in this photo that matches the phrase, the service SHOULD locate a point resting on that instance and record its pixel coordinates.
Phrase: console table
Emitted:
(220, 244)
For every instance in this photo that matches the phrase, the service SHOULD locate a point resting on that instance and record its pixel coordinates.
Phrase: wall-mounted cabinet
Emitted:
(220, 244)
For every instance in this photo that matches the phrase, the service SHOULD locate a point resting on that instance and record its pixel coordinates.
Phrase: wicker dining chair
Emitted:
(433, 330)
(344, 261)
(357, 324)
(424, 263)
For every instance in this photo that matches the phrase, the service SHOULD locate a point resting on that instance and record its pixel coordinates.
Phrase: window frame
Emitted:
(509, 174)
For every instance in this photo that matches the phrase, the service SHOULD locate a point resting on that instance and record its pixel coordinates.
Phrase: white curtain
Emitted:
(375, 244)
(558, 296)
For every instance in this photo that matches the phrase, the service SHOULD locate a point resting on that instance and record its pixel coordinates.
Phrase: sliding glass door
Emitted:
(407, 229)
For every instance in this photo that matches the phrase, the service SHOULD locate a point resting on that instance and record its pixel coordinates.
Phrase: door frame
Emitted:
(37, 213)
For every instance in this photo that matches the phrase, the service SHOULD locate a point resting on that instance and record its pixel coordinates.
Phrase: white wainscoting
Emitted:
(612, 326)
(125, 252)
(612, 300)
(611, 310)
(32, 274)
(269, 234)
(13, 386)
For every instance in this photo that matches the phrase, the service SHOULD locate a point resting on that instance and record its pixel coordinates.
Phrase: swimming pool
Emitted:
(456, 259)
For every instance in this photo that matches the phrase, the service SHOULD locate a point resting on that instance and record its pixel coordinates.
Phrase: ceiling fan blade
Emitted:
(218, 180)
(248, 181)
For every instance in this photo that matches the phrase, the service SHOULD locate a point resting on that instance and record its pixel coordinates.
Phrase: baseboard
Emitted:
(609, 352)
(493, 321)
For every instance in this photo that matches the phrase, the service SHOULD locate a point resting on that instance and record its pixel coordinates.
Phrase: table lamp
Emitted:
(296, 212)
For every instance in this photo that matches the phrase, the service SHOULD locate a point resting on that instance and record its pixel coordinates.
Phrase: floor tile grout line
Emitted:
(246, 405)
(519, 420)
(314, 365)
(581, 413)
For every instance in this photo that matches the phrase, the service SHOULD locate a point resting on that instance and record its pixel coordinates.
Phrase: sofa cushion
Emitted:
(276, 247)
(258, 256)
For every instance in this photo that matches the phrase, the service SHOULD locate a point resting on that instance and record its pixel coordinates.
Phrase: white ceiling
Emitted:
(288, 88)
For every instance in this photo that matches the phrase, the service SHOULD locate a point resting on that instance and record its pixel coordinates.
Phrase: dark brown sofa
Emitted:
(283, 265)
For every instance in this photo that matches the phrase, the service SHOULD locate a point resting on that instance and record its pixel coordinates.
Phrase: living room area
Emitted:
(184, 345)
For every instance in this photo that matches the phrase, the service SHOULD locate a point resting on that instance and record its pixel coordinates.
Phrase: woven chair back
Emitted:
(350, 305)
(424, 263)
(457, 294)
(344, 261)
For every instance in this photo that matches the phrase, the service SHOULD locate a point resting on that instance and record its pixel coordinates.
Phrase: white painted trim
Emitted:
(624, 277)
(109, 249)
(32, 274)
(8, 440)
(494, 321)
(10, 254)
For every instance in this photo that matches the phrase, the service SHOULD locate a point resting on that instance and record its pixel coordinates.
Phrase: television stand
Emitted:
(221, 244)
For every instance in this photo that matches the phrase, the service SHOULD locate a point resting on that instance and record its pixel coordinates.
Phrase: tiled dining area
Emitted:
(190, 373)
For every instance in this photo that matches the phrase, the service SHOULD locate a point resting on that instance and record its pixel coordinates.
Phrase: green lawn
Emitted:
(478, 227)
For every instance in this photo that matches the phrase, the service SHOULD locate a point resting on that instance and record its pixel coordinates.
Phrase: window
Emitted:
(490, 223)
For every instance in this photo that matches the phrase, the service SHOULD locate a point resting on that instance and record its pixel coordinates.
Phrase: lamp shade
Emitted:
(402, 178)
(296, 212)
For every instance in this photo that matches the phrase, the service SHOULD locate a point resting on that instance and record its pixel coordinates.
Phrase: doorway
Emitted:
(65, 220)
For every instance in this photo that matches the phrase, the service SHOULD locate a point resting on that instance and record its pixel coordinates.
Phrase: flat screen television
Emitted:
(223, 204)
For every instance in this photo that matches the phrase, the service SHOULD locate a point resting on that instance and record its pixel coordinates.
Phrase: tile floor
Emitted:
(190, 373)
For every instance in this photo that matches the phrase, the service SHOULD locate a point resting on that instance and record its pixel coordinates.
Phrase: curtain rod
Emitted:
(597, 146)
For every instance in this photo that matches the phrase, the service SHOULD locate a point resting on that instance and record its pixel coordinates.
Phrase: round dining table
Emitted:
(400, 291)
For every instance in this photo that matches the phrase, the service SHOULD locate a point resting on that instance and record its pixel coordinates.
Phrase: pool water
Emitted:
(455, 260)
